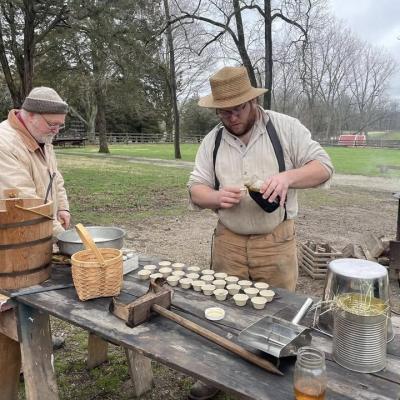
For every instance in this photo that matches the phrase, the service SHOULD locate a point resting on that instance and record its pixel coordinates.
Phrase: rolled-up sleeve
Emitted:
(305, 149)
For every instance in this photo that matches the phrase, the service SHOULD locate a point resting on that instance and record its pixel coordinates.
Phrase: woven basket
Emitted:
(91, 279)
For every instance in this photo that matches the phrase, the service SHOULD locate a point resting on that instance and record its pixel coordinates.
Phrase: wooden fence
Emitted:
(392, 144)
(73, 138)
(147, 137)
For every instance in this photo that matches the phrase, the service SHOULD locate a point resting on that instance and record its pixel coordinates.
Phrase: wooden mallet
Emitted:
(158, 300)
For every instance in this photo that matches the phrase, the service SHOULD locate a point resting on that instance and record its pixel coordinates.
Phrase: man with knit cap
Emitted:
(248, 170)
(27, 159)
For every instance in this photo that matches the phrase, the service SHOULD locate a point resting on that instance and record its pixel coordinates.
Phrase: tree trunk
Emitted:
(91, 125)
(101, 118)
(12, 87)
(99, 92)
(172, 81)
(268, 53)
(29, 47)
(241, 45)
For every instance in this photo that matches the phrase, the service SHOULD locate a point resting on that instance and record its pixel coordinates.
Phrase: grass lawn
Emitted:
(108, 191)
(164, 151)
(347, 160)
(392, 135)
(363, 160)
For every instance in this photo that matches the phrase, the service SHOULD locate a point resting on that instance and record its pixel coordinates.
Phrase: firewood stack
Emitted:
(372, 248)
(314, 258)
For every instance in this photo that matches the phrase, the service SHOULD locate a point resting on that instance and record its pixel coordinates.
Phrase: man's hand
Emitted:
(310, 175)
(228, 196)
(64, 217)
(276, 186)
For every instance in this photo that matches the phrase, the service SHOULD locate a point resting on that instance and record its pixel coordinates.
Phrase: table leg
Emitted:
(97, 351)
(140, 372)
(37, 357)
(10, 364)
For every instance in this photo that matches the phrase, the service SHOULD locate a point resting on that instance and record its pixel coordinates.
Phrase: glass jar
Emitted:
(310, 374)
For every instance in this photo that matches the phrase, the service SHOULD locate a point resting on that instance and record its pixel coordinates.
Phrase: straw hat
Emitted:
(230, 86)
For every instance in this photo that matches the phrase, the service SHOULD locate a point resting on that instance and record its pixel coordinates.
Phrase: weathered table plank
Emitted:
(97, 351)
(140, 372)
(170, 344)
(35, 341)
(10, 363)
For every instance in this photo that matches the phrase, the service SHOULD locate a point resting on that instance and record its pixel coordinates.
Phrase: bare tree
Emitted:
(296, 14)
(221, 15)
(287, 90)
(370, 74)
(172, 81)
(335, 51)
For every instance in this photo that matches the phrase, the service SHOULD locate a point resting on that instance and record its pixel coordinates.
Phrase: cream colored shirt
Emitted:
(236, 162)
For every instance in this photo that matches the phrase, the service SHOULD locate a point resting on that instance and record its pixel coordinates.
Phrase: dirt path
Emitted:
(378, 183)
(188, 238)
(369, 182)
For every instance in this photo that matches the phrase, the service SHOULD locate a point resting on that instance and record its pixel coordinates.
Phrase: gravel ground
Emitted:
(355, 205)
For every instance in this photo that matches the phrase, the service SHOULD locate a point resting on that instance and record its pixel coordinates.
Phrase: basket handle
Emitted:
(89, 243)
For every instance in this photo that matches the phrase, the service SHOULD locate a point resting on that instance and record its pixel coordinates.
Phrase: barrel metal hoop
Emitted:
(25, 244)
(26, 272)
(24, 223)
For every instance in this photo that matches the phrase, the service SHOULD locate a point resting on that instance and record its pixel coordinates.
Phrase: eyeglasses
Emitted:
(52, 127)
(233, 111)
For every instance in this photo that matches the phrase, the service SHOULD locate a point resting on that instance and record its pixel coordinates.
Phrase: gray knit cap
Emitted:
(45, 100)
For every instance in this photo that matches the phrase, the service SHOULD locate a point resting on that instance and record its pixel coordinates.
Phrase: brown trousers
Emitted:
(270, 258)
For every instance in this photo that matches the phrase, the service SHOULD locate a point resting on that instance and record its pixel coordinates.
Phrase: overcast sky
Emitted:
(376, 21)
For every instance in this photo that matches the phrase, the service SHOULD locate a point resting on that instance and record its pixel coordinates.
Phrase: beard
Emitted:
(44, 139)
(248, 125)
(48, 139)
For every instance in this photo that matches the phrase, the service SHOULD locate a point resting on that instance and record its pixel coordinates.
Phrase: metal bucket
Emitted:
(359, 341)
(70, 243)
(352, 274)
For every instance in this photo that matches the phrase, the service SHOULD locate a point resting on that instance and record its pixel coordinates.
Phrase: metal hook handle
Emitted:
(303, 311)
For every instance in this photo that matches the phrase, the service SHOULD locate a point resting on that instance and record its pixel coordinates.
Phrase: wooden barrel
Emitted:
(26, 242)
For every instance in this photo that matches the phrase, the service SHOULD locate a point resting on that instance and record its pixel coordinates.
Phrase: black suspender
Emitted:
(216, 147)
(276, 144)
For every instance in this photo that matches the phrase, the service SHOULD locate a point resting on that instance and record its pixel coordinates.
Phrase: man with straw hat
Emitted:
(247, 170)
(27, 159)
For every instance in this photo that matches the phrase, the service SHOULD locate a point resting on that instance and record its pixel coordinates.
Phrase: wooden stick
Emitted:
(225, 343)
(34, 212)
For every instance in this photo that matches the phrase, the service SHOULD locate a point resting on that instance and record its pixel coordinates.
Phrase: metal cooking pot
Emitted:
(69, 241)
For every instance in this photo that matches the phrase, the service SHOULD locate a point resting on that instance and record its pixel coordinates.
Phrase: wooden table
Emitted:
(164, 341)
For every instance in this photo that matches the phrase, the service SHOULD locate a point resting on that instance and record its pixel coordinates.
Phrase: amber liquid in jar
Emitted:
(308, 391)
(310, 380)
